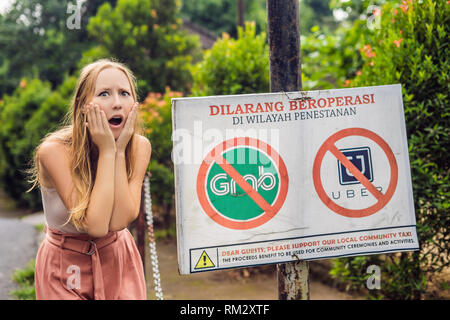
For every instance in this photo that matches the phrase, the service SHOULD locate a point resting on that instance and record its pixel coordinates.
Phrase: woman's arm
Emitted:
(101, 201)
(127, 194)
(54, 158)
(99, 210)
(55, 163)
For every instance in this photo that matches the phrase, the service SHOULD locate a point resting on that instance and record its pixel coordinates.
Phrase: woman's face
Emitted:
(113, 95)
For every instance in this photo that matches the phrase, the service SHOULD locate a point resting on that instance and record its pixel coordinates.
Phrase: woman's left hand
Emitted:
(128, 129)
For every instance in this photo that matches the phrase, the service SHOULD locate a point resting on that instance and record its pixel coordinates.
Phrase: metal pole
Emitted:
(141, 227)
(240, 12)
(285, 75)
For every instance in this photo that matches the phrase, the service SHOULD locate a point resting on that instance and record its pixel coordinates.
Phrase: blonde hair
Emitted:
(74, 134)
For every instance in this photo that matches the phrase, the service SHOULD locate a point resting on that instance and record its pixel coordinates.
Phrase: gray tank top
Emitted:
(56, 214)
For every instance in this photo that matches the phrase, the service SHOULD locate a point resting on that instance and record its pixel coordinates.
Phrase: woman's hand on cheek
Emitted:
(99, 130)
(127, 130)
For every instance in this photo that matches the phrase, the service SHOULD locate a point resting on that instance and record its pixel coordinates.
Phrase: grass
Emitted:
(25, 279)
(39, 227)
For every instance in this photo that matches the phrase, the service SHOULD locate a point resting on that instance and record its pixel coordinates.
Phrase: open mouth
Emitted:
(115, 121)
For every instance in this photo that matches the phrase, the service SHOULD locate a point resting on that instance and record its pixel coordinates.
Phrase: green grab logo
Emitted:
(242, 183)
(228, 198)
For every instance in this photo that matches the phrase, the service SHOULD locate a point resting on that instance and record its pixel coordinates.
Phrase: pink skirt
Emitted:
(79, 267)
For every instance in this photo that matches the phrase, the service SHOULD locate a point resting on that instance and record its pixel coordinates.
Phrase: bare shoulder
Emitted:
(143, 140)
(52, 149)
(143, 146)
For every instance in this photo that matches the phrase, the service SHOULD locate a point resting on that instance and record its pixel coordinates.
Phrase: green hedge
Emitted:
(234, 66)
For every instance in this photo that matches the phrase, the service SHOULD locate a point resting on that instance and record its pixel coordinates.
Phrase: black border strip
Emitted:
(294, 238)
(310, 259)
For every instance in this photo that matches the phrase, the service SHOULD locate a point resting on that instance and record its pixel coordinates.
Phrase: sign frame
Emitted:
(294, 232)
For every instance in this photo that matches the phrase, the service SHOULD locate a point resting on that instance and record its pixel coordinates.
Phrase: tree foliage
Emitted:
(330, 58)
(412, 48)
(27, 116)
(234, 66)
(219, 16)
(36, 43)
(146, 35)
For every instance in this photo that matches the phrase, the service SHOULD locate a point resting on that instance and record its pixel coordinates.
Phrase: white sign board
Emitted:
(272, 178)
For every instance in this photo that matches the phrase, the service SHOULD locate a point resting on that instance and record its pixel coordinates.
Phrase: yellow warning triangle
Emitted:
(204, 261)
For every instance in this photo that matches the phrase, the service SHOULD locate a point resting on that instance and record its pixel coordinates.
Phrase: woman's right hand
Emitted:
(99, 129)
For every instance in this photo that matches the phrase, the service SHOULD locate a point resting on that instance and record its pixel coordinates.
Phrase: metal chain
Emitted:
(151, 238)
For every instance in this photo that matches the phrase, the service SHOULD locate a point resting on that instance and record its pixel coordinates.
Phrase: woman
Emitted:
(90, 173)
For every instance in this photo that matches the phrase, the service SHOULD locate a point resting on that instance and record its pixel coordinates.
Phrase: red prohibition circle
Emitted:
(215, 155)
(329, 145)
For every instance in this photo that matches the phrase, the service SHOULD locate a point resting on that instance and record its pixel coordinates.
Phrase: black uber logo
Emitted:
(362, 160)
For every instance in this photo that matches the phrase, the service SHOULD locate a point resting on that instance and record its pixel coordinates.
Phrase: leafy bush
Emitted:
(27, 116)
(331, 51)
(234, 66)
(329, 58)
(156, 117)
(412, 48)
